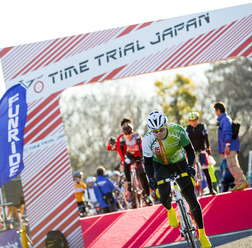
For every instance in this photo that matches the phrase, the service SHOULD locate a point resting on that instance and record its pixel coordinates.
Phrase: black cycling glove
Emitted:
(190, 170)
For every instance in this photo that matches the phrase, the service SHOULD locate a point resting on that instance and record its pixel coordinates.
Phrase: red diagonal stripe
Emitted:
(203, 45)
(49, 129)
(181, 51)
(66, 217)
(42, 60)
(74, 217)
(41, 116)
(96, 79)
(4, 51)
(127, 30)
(145, 25)
(173, 54)
(33, 179)
(36, 57)
(43, 126)
(241, 47)
(72, 46)
(45, 185)
(53, 214)
(42, 105)
(56, 52)
(114, 72)
(196, 44)
(73, 228)
(247, 52)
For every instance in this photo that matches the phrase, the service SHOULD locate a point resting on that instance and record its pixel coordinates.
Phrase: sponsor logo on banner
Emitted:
(13, 112)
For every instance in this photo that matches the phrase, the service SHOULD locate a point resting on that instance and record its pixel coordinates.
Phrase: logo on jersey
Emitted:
(158, 154)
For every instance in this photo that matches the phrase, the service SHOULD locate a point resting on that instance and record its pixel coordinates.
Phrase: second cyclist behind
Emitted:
(134, 153)
(198, 135)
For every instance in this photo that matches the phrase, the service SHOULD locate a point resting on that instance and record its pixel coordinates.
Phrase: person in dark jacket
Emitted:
(103, 186)
(229, 147)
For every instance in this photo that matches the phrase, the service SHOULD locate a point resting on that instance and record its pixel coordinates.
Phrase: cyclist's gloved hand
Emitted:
(190, 170)
(208, 150)
(153, 183)
(127, 161)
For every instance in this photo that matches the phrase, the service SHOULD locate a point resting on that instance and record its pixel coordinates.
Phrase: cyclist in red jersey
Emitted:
(134, 153)
(123, 151)
(113, 144)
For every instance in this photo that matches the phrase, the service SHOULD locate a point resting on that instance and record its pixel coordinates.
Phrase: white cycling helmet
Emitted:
(115, 173)
(90, 179)
(108, 173)
(193, 116)
(156, 120)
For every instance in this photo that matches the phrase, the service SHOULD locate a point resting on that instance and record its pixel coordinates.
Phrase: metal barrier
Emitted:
(5, 220)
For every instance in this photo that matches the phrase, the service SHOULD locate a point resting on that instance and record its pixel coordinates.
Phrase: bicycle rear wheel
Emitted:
(189, 230)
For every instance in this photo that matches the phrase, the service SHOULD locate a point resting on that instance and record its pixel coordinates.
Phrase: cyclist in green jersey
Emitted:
(166, 150)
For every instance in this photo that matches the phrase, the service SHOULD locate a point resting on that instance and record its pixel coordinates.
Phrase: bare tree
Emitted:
(92, 114)
(230, 82)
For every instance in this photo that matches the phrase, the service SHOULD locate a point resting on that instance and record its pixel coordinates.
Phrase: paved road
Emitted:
(239, 239)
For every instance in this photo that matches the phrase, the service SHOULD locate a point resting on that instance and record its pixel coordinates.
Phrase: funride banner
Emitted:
(13, 112)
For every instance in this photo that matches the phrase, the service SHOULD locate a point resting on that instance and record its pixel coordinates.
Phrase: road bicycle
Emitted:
(121, 192)
(136, 191)
(187, 226)
(198, 176)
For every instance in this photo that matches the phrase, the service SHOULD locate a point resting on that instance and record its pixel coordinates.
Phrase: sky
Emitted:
(29, 21)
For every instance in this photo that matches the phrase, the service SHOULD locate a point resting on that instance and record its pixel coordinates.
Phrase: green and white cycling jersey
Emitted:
(169, 150)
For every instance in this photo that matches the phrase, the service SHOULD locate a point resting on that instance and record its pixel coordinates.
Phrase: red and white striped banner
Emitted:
(46, 68)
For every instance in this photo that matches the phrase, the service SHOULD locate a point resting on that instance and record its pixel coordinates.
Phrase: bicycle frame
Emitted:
(137, 202)
(187, 227)
(121, 196)
(198, 176)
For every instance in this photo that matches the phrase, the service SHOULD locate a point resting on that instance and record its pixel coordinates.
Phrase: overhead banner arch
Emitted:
(48, 67)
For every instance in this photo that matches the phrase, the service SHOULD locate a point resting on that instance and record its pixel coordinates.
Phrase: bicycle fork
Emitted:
(182, 210)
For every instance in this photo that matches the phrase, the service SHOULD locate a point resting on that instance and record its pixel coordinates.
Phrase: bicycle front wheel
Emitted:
(187, 228)
(134, 191)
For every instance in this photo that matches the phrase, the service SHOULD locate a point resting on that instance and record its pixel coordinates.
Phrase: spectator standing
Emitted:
(229, 147)
(90, 194)
(228, 179)
(103, 186)
(198, 135)
(80, 188)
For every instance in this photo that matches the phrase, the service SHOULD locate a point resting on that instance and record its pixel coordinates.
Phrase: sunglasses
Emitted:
(159, 130)
(195, 120)
(128, 133)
